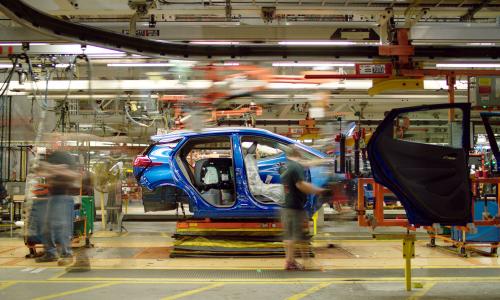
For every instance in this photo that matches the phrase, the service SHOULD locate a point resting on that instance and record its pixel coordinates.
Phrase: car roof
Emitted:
(178, 134)
(207, 131)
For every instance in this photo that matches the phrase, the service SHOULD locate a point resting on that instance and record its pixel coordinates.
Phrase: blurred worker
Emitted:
(62, 178)
(3, 193)
(293, 214)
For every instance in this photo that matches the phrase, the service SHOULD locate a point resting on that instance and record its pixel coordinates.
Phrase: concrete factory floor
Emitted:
(136, 265)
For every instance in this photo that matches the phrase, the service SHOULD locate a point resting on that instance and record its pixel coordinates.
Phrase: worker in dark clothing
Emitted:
(293, 214)
(61, 174)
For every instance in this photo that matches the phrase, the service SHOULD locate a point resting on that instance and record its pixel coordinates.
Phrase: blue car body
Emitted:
(164, 171)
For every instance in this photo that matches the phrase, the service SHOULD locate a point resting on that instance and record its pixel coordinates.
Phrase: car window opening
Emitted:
(264, 158)
(208, 165)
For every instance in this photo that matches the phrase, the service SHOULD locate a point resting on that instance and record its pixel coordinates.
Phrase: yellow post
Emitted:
(126, 205)
(103, 212)
(315, 223)
(408, 254)
(408, 251)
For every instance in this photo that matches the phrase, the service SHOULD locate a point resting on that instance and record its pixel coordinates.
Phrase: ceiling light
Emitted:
(214, 43)
(312, 64)
(5, 66)
(469, 65)
(480, 44)
(227, 64)
(147, 65)
(291, 86)
(325, 43)
(109, 55)
(20, 44)
(439, 84)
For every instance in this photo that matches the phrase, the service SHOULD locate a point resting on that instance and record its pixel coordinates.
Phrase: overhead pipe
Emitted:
(40, 21)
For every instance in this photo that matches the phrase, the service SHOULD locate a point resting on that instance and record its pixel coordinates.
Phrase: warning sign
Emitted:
(374, 69)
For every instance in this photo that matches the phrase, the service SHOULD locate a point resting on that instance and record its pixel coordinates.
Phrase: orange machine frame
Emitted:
(378, 210)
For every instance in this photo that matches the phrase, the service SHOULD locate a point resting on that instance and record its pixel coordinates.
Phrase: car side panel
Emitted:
(169, 173)
(161, 174)
(271, 167)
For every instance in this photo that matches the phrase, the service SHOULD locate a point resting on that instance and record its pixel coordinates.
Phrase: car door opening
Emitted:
(207, 163)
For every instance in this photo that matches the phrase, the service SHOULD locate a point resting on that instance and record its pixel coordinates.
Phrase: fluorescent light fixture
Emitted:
(185, 63)
(110, 55)
(228, 63)
(480, 44)
(147, 65)
(469, 65)
(116, 85)
(103, 96)
(437, 84)
(20, 44)
(148, 86)
(99, 50)
(5, 66)
(347, 85)
(325, 43)
(312, 64)
(100, 144)
(316, 43)
(214, 43)
(291, 86)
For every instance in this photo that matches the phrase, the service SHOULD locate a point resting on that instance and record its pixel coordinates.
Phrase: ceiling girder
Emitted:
(28, 16)
(469, 16)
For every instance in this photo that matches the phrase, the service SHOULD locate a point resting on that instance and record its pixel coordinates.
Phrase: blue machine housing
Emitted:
(484, 234)
(165, 171)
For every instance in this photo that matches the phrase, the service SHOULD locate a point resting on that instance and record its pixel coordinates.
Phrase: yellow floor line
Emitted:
(85, 289)
(5, 285)
(58, 274)
(310, 291)
(169, 267)
(255, 282)
(423, 291)
(271, 280)
(192, 292)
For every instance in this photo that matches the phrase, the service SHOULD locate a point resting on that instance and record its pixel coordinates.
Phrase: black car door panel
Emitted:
(430, 179)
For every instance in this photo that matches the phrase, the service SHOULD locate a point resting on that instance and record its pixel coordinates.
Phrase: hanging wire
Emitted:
(97, 108)
(5, 85)
(127, 113)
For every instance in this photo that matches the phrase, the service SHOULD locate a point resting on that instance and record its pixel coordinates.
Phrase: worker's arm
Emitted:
(316, 162)
(308, 188)
(64, 170)
(50, 170)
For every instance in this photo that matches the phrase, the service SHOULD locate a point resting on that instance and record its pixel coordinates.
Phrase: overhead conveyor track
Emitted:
(47, 24)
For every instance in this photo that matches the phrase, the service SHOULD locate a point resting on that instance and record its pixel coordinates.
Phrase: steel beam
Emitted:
(436, 33)
(26, 15)
(246, 10)
(458, 33)
(474, 10)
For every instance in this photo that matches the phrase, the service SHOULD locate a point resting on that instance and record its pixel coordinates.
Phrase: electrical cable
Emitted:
(92, 103)
(34, 85)
(71, 64)
(6, 83)
(127, 113)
